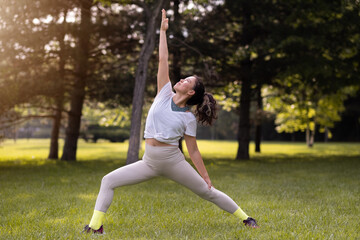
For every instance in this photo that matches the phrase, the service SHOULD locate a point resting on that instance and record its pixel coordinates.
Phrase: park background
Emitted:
(78, 77)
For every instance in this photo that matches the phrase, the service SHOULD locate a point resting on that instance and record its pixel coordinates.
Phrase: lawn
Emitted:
(294, 192)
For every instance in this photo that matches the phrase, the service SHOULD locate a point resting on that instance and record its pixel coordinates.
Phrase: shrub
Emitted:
(113, 134)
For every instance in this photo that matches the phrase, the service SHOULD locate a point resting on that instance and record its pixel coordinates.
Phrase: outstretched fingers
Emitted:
(165, 21)
(163, 14)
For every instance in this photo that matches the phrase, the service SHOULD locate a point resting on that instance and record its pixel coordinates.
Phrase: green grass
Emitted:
(294, 193)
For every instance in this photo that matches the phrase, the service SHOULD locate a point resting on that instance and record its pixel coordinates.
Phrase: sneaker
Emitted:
(88, 229)
(250, 222)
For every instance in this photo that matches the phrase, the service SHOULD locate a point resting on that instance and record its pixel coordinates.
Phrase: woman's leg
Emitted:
(127, 175)
(186, 175)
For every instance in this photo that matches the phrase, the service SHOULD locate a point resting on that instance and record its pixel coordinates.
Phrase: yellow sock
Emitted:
(97, 220)
(240, 214)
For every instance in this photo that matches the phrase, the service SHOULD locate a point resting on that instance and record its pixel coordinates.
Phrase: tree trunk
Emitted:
(312, 137)
(326, 135)
(258, 119)
(59, 98)
(245, 77)
(176, 67)
(78, 93)
(244, 119)
(308, 135)
(140, 79)
(181, 145)
(54, 143)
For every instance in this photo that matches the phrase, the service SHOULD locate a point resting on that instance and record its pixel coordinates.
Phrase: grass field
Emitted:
(294, 193)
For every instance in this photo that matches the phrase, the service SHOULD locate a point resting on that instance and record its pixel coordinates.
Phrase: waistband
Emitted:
(165, 147)
(161, 153)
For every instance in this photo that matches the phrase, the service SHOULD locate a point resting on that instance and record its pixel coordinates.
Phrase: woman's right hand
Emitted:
(208, 181)
(164, 21)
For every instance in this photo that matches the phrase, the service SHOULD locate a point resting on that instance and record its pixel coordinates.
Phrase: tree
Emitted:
(78, 91)
(175, 46)
(241, 37)
(60, 94)
(152, 13)
(299, 107)
(291, 37)
(105, 52)
(28, 67)
(47, 60)
(318, 46)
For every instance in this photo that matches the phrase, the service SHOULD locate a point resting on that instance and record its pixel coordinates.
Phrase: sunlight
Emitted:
(87, 196)
(36, 21)
(73, 16)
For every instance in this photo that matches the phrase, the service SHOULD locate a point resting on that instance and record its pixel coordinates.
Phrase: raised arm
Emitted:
(163, 70)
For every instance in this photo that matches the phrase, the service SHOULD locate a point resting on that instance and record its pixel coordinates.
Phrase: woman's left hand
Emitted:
(164, 21)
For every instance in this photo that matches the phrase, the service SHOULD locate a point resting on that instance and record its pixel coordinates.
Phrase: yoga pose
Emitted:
(168, 120)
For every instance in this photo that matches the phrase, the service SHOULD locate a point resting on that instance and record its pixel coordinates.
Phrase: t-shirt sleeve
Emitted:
(191, 128)
(165, 92)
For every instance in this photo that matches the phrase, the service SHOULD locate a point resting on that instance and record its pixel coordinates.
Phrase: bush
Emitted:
(39, 133)
(113, 134)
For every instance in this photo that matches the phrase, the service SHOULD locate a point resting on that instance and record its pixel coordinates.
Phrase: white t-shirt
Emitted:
(166, 125)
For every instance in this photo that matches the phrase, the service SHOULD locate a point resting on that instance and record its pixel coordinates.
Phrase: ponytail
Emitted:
(205, 104)
(206, 111)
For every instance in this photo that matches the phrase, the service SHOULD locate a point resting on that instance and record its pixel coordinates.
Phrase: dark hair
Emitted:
(205, 104)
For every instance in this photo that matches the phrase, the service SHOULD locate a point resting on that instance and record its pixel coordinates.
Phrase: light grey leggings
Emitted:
(167, 161)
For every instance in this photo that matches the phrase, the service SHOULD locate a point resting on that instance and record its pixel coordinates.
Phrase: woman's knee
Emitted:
(106, 181)
(207, 193)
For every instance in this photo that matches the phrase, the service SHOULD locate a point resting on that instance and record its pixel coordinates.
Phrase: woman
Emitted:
(168, 120)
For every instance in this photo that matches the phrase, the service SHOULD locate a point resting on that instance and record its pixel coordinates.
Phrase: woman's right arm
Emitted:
(196, 158)
(163, 69)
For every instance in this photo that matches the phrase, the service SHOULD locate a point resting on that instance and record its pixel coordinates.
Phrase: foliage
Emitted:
(27, 67)
(299, 106)
(329, 108)
(105, 121)
(314, 41)
(30, 65)
(229, 96)
(227, 42)
(103, 115)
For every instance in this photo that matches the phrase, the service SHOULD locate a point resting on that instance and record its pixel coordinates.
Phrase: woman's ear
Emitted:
(191, 92)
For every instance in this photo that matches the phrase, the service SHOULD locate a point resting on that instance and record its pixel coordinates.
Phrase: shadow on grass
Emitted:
(112, 163)
(282, 158)
(21, 171)
(289, 166)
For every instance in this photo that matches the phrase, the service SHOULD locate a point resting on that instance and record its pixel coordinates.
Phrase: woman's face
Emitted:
(186, 86)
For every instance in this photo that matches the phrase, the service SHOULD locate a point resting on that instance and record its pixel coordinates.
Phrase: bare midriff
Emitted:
(156, 143)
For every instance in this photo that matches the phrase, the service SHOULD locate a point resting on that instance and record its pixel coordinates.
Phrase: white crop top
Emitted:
(166, 125)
